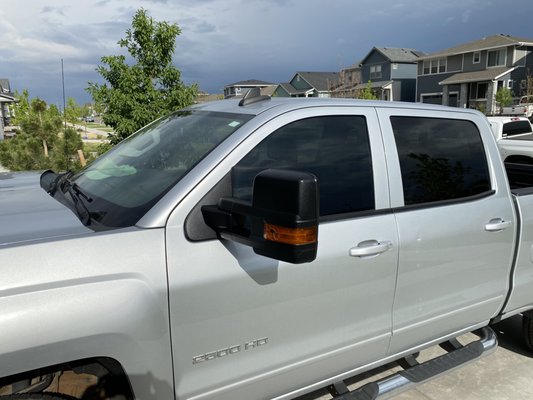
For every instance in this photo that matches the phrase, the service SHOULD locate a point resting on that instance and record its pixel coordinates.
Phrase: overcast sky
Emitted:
(225, 41)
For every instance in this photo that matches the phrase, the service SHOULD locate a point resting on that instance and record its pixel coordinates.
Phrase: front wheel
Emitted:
(527, 330)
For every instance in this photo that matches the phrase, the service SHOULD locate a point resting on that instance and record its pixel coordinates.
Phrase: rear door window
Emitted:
(440, 159)
(516, 128)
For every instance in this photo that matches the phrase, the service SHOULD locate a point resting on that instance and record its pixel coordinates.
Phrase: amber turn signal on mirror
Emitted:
(282, 234)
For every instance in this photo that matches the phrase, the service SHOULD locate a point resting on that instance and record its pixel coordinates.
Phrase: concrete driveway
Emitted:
(506, 374)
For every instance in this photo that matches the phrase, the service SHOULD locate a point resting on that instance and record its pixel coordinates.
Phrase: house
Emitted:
(239, 89)
(308, 84)
(6, 98)
(349, 78)
(470, 74)
(391, 73)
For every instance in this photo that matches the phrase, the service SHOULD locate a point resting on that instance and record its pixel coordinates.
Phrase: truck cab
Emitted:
(264, 248)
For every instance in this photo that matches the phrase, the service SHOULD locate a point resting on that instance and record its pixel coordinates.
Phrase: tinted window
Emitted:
(440, 159)
(516, 128)
(335, 148)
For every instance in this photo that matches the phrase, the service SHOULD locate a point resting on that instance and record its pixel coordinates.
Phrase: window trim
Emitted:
(445, 203)
(476, 54)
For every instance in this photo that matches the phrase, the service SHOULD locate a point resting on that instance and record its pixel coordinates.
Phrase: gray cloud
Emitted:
(225, 41)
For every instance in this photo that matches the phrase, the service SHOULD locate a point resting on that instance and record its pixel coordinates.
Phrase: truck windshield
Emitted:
(127, 181)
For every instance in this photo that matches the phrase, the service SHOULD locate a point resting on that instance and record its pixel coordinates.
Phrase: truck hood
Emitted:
(27, 212)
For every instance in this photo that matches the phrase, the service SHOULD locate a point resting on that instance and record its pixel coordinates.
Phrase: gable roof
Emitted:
(476, 76)
(292, 91)
(321, 81)
(396, 55)
(251, 82)
(489, 42)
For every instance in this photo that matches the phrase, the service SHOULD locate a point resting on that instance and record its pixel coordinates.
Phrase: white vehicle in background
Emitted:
(515, 138)
(523, 108)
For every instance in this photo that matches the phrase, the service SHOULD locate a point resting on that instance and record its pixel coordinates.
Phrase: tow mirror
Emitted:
(281, 222)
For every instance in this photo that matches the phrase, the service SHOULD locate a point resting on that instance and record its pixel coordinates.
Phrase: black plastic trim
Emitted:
(443, 203)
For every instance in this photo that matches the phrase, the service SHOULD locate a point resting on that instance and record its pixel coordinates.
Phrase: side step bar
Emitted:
(415, 373)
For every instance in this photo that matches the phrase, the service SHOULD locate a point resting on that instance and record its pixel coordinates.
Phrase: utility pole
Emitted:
(64, 114)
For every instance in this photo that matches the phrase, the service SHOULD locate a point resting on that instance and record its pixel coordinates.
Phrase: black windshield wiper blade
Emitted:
(76, 194)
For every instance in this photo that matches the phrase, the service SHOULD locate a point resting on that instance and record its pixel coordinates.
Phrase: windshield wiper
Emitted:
(51, 182)
(76, 194)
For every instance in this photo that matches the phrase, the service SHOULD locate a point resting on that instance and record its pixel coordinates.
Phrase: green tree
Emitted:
(504, 97)
(20, 109)
(42, 143)
(73, 111)
(42, 122)
(137, 94)
(367, 93)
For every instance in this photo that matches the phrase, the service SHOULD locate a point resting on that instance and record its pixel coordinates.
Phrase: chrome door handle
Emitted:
(497, 224)
(370, 248)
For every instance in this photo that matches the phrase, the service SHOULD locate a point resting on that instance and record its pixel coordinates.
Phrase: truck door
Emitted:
(246, 326)
(455, 223)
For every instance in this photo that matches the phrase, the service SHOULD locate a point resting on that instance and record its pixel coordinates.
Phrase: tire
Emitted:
(527, 331)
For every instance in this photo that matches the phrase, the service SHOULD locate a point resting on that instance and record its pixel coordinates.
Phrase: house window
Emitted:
(426, 67)
(436, 66)
(476, 57)
(442, 64)
(496, 58)
(375, 71)
(479, 90)
(510, 84)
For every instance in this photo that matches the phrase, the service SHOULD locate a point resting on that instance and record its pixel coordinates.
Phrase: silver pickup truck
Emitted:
(264, 248)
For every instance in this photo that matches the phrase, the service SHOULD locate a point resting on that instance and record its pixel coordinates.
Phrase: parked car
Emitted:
(510, 127)
(88, 118)
(265, 248)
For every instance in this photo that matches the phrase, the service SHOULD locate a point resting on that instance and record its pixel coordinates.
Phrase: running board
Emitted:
(416, 373)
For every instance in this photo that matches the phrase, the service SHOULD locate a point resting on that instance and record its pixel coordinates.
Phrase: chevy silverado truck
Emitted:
(264, 249)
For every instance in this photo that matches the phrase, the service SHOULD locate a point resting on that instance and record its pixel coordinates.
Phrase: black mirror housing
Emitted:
(280, 223)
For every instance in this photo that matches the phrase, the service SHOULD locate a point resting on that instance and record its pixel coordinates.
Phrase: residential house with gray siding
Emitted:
(391, 72)
(309, 84)
(6, 98)
(239, 89)
(470, 74)
(349, 78)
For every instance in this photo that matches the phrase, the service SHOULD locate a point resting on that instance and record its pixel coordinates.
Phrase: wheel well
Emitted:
(519, 159)
(80, 379)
